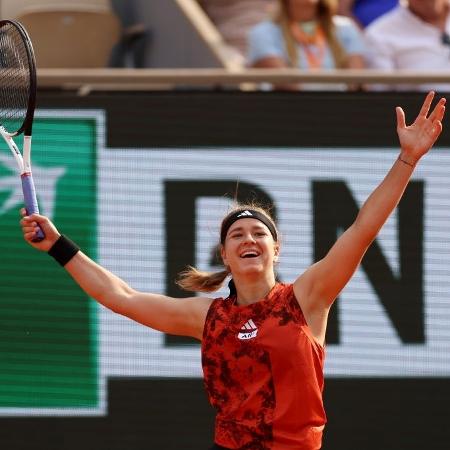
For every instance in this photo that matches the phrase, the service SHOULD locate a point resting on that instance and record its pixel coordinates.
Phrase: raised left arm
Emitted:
(318, 287)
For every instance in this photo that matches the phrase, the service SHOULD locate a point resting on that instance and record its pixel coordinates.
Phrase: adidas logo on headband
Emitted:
(242, 215)
(245, 213)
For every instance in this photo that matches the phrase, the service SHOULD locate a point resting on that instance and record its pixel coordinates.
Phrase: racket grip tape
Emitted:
(31, 204)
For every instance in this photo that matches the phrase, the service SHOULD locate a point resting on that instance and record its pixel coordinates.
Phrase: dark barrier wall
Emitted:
(141, 180)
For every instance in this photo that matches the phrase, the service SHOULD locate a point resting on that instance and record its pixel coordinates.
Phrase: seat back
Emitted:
(70, 37)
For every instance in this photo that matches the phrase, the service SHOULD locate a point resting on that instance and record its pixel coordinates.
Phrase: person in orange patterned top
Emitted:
(263, 345)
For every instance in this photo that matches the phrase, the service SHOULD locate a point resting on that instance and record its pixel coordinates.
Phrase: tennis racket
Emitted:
(17, 102)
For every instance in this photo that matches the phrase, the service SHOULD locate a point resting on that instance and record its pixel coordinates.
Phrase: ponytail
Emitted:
(195, 280)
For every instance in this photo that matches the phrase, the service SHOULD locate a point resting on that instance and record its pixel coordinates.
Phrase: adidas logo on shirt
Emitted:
(245, 213)
(248, 331)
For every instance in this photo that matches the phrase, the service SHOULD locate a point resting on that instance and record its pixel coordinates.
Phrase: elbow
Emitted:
(365, 232)
(118, 302)
(119, 307)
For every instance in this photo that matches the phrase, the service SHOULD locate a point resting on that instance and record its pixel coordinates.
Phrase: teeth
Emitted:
(246, 254)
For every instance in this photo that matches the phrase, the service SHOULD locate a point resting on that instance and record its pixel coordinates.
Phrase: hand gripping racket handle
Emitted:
(31, 205)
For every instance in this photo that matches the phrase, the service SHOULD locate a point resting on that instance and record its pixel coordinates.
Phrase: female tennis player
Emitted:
(263, 345)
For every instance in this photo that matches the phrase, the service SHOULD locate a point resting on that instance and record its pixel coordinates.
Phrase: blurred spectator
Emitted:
(306, 34)
(414, 36)
(234, 18)
(365, 11)
(132, 47)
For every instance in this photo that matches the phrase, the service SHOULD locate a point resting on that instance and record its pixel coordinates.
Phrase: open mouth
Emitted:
(249, 254)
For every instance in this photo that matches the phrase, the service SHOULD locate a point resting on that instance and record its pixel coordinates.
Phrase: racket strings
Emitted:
(14, 78)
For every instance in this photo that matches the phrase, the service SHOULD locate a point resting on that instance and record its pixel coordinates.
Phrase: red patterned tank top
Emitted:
(263, 374)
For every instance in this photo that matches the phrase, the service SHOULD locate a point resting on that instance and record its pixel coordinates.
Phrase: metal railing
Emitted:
(151, 79)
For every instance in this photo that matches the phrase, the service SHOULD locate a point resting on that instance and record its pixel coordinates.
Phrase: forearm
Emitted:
(415, 141)
(99, 283)
(383, 200)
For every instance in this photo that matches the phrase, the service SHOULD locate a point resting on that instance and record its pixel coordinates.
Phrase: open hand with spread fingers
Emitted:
(418, 138)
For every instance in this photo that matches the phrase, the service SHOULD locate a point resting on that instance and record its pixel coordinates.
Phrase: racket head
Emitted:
(17, 79)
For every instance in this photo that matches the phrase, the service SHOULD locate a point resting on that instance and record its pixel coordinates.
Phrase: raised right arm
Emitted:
(184, 316)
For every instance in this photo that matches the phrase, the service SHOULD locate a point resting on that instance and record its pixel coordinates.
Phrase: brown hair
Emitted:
(326, 10)
(195, 280)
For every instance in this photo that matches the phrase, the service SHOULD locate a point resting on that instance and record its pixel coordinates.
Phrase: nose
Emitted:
(248, 237)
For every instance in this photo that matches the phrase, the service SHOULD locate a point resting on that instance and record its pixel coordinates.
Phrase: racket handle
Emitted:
(31, 204)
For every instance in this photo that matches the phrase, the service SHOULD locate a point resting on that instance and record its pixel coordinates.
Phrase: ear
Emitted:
(276, 251)
(223, 255)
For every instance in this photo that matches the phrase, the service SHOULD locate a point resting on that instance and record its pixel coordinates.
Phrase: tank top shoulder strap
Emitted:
(215, 309)
(297, 315)
(292, 305)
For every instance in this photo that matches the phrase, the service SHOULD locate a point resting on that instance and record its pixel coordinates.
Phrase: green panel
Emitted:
(48, 328)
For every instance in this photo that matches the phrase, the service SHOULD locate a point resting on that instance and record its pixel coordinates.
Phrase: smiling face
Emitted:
(300, 10)
(249, 248)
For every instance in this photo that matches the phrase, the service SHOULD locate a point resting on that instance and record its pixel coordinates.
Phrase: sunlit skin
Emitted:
(250, 252)
(315, 289)
(434, 12)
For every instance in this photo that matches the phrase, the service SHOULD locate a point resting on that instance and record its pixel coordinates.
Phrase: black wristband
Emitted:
(63, 250)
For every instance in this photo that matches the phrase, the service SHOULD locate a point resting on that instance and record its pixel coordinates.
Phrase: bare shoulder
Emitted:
(199, 309)
(202, 303)
(180, 316)
(196, 312)
(194, 306)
